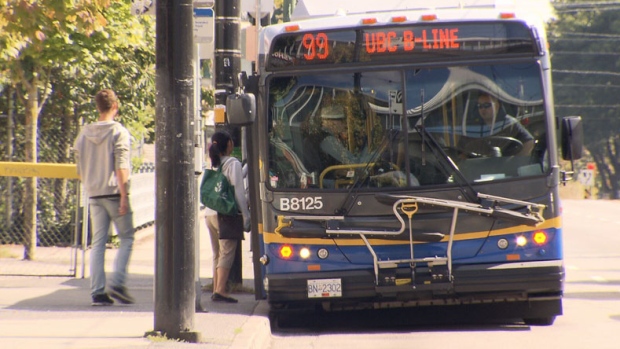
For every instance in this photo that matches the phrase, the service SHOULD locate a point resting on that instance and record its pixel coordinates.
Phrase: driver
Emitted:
(496, 123)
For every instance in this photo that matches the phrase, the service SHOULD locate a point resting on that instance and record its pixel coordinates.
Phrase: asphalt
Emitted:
(55, 312)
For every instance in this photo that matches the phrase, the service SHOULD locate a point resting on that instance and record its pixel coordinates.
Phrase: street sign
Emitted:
(586, 177)
(204, 25)
(143, 7)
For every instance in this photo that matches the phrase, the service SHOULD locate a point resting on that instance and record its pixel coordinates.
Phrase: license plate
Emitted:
(324, 288)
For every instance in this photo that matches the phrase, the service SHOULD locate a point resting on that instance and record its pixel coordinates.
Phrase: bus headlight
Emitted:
(521, 241)
(304, 253)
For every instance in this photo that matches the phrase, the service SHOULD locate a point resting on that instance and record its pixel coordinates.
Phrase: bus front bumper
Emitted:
(519, 281)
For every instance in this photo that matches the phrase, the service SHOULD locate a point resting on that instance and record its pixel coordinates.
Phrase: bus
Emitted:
(406, 157)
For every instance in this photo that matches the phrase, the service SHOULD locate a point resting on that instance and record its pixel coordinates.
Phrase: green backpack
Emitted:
(217, 193)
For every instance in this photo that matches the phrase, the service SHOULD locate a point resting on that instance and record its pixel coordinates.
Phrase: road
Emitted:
(591, 305)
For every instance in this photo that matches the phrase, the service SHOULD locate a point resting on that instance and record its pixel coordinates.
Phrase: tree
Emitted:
(43, 42)
(583, 43)
(34, 33)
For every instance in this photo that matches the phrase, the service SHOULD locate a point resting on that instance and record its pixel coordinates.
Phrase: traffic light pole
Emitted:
(227, 55)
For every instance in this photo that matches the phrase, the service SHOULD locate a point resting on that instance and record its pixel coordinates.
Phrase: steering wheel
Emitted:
(508, 145)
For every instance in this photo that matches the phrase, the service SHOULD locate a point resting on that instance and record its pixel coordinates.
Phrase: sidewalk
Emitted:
(53, 312)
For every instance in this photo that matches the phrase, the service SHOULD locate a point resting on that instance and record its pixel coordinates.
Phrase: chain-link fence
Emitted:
(46, 243)
(41, 217)
(55, 249)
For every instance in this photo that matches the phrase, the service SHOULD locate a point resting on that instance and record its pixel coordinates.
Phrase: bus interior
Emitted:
(411, 128)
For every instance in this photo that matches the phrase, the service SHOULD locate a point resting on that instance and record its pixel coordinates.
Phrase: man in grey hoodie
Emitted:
(102, 153)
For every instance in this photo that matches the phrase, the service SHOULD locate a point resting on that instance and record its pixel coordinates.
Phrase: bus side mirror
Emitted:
(240, 109)
(572, 138)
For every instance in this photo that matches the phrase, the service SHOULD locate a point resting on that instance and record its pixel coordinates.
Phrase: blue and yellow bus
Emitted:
(407, 157)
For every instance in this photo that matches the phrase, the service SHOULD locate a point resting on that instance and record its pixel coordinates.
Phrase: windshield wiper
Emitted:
(343, 210)
(436, 147)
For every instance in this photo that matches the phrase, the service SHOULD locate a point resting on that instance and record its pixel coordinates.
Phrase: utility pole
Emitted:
(175, 219)
(227, 56)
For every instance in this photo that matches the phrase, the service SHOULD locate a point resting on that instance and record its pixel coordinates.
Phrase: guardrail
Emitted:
(60, 231)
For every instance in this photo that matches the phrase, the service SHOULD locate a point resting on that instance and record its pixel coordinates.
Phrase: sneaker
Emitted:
(216, 297)
(102, 300)
(120, 294)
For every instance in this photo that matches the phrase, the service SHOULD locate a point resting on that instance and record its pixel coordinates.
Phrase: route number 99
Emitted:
(317, 46)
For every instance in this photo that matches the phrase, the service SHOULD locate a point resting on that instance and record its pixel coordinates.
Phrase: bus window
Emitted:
(489, 119)
(337, 131)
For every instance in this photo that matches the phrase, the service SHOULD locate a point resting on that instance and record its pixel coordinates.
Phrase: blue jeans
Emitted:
(104, 211)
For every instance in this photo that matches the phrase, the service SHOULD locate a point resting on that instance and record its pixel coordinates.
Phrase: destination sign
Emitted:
(406, 42)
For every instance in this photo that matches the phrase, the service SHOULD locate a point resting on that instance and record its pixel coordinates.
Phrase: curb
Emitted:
(256, 331)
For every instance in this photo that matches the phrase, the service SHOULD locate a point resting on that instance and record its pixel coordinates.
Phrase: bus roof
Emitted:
(337, 14)
(324, 8)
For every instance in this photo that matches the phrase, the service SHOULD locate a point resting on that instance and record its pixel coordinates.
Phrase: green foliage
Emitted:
(136, 163)
(75, 48)
(207, 98)
(583, 43)
(56, 54)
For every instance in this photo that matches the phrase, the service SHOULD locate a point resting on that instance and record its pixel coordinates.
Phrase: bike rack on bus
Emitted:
(408, 205)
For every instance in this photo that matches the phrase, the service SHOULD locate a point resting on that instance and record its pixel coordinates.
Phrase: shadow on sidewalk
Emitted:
(70, 294)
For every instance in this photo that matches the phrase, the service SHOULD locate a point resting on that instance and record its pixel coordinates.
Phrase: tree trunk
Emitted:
(612, 148)
(9, 157)
(64, 150)
(30, 187)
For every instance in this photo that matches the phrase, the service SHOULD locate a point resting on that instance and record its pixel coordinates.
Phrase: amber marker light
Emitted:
(513, 257)
(369, 21)
(291, 28)
(399, 19)
(286, 251)
(507, 15)
(428, 17)
(540, 237)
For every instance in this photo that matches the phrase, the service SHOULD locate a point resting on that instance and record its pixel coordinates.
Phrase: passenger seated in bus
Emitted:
(336, 143)
(327, 144)
(498, 133)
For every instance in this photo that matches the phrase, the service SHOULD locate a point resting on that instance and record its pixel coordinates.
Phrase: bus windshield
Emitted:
(364, 129)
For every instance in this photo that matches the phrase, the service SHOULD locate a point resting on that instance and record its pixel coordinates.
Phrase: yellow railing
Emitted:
(30, 169)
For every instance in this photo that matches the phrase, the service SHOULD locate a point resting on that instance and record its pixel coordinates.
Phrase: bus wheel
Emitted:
(274, 321)
(539, 321)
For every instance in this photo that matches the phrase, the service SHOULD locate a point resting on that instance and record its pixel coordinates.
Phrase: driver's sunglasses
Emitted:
(484, 105)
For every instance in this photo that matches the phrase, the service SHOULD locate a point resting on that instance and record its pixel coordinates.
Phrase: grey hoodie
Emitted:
(100, 149)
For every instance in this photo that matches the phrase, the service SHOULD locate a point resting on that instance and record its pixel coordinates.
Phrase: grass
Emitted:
(158, 337)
